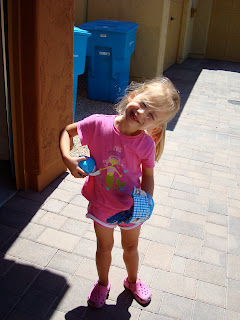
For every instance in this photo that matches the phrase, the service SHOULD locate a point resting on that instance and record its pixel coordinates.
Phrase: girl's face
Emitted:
(139, 116)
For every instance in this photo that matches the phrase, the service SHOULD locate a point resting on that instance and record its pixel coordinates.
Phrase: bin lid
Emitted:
(81, 32)
(110, 25)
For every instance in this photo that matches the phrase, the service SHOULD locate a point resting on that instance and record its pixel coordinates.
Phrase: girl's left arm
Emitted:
(147, 180)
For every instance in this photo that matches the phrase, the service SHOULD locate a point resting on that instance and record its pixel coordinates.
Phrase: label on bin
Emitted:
(104, 53)
(103, 35)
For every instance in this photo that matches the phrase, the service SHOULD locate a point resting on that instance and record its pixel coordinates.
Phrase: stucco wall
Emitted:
(41, 82)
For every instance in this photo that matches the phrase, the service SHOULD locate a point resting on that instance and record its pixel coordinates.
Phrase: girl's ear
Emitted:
(131, 96)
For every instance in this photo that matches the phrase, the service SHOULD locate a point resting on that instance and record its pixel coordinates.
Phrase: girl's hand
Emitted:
(72, 164)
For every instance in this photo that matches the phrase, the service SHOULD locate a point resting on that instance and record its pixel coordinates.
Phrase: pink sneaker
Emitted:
(139, 290)
(98, 295)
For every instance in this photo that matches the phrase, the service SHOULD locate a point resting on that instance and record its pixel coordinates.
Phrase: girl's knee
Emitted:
(104, 247)
(130, 247)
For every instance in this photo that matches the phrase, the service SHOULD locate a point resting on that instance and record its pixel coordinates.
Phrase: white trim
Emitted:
(111, 226)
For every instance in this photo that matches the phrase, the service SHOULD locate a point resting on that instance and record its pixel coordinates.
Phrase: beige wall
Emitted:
(80, 12)
(200, 28)
(147, 59)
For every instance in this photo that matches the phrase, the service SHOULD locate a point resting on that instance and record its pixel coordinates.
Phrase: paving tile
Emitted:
(217, 218)
(51, 281)
(185, 187)
(17, 280)
(68, 185)
(174, 283)
(23, 205)
(203, 311)
(234, 244)
(233, 267)
(188, 217)
(176, 307)
(6, 233)
(234, 212)
(32, 231)
(74, 299)
(162, 210)
(231, 315)
(149, 315)
(186, 206)
(159, 256)
(159, 235)
(76, 227)
(58, 239)
(30, 251)
(14, 219)
(214, 257)
(52, 220)
(36, 303)
(86, 248)
(79, 200)
(215, 242)
(53, 205)
(217, 206)
(158, 221)
(234, 225)
(8, 301)
(233, 294)
(187, 228)
(205, 272)
(189, 247)
(65, 262)
(75, 212)
(178, 265)
(164, 180)
(216, 230)
(160, 194)
(60, 194)
(211, 294)
(187, 196)
(87, 269)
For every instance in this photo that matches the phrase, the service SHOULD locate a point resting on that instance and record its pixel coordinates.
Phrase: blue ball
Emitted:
(87, 165)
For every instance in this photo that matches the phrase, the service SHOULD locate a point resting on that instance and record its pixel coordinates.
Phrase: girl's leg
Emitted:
(130, 252)
(103, 253)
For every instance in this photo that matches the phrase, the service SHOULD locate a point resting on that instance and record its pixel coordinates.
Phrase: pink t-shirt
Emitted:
(120, 159)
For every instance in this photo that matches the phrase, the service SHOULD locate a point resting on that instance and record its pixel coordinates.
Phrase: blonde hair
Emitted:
(160, 94)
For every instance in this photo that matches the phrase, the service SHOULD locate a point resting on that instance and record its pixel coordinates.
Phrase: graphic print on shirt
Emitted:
(115, 170)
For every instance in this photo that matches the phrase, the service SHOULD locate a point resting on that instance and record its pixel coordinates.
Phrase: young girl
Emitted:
(125, 148)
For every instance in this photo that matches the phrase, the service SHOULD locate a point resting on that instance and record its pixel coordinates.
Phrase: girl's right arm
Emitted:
(66, 135)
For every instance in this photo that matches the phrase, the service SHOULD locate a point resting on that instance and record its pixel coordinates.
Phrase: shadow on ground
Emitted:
(27, 290)
(108, 312)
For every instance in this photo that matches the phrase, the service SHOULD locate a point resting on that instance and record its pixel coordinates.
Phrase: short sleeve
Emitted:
(85, 129)
(148, 158)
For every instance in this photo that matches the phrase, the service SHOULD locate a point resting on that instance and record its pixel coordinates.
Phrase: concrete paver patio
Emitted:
(189, 249)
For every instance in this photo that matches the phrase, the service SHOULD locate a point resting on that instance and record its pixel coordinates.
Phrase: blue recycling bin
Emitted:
(108, 58)
(79, 57)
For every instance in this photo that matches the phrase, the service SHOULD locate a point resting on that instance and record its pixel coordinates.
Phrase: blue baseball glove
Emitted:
(141, 210)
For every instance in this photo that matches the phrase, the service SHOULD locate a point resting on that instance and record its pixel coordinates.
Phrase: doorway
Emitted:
(173, 32)
(7, 176)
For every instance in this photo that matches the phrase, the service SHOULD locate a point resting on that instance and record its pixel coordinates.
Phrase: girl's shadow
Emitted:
(107, 312)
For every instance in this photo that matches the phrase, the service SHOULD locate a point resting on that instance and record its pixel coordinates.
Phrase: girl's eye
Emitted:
(144, 105)
(152, 116)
